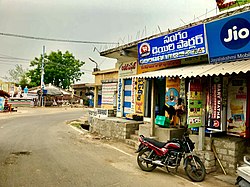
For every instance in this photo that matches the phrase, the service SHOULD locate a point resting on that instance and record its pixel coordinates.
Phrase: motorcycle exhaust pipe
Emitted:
(158, 163)
(155, 162)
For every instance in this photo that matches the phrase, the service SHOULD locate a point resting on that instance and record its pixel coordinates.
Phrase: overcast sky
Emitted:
(88, 20)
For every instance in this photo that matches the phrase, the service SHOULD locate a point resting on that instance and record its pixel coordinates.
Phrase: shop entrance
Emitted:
(159, 87)
(160, 90)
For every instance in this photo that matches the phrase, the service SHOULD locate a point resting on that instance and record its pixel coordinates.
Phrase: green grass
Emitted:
(75, 123)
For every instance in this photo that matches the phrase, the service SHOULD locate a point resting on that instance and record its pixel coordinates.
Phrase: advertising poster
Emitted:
(172, 91)
(133, 95)
(237, 101)
(186, 43)
(183, 90)
(214, 104)
(119, 96)
(194, 104)
(231, 36)
(108, 90)
(139, 96)
(227, 4)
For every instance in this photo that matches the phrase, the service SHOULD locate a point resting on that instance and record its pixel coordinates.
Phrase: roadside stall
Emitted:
(4, 106)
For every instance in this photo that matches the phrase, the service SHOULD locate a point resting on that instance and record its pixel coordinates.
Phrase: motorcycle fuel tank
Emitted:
(172, 145)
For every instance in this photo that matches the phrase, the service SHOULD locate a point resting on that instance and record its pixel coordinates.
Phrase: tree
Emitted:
(18, 75)
(60, 69)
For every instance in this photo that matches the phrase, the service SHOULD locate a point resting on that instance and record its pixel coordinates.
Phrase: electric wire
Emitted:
(11, 56)
(11, 62)
(14, 61)
(15, 58)
(3, 62)
(55, 40)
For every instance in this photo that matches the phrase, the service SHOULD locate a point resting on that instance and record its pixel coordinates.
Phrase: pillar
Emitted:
(152, 120)
(201, 143)
(96, 97)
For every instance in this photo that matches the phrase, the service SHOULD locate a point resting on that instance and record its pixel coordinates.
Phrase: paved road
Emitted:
(37, 148)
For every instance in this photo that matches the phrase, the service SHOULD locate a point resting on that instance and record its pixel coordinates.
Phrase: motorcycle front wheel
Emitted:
(143, 164)
(195, 170)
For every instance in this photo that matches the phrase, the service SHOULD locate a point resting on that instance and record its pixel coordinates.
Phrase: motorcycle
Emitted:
(152, 154)
(243, 179)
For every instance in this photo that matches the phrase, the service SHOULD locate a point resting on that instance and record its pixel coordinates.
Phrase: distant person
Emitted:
(25, 92)
(180, 109)
(6, 105)
(19, 93)
(54, 103)
(12, 90)
(171, 112)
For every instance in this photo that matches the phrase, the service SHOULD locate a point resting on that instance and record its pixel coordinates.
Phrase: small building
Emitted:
(105, 88)
(3, 101)
(82, 90)
(8, 87)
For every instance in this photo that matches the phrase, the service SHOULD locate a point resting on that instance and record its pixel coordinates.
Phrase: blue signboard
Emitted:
(181, 44)
(228, 38)
(119, 95)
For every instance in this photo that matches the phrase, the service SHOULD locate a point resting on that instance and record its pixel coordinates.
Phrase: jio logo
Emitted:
(235, 33)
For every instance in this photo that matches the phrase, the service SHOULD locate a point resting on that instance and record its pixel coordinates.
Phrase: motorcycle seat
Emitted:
(155, 142)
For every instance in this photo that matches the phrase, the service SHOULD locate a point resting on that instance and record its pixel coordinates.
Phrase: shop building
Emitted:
(125, 91)
(82, 90)
(207, 64)
(105, 89)
(9, 87)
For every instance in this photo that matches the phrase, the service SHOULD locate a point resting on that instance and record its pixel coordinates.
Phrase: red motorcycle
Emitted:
(152, 154)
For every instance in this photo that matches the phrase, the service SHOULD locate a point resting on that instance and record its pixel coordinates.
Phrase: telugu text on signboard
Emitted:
(181, 44)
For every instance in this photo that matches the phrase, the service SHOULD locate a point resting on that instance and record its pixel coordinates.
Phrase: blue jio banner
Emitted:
(177, 45)
(228, 38)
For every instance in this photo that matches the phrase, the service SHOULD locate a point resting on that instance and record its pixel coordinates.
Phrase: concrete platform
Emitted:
(226, 178)
(162, 134)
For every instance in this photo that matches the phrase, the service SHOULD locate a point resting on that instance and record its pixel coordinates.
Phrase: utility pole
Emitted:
(42, 77)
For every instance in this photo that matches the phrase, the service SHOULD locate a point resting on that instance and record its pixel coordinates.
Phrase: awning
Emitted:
(199, 70)
(4, 94)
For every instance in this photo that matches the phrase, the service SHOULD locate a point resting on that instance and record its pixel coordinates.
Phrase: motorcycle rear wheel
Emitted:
(144, 165)
(196, 174)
